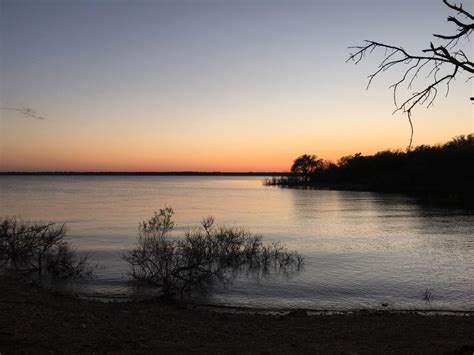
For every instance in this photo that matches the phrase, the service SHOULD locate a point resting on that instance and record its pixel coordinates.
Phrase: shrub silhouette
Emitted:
(204, 255)
(39, 248)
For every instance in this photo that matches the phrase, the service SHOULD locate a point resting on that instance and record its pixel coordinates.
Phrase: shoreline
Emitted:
(226, 308)
(35, 319)
(329, 312)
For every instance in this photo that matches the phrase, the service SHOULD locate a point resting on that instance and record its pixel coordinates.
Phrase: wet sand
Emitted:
(33, 319)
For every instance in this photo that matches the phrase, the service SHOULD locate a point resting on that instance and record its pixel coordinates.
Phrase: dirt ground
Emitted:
(37, 320)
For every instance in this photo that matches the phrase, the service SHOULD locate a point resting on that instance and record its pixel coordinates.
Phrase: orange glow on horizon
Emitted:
(229, 146)
(243, 160)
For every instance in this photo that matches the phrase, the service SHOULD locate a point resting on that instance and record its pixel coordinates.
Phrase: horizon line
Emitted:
(176, 173)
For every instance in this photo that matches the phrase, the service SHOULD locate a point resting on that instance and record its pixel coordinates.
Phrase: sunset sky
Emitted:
(223, 85)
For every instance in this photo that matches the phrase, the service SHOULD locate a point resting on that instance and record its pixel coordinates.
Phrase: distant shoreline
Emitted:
(140, 173)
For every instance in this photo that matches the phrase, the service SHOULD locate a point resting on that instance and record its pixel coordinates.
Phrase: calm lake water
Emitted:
(362, 249)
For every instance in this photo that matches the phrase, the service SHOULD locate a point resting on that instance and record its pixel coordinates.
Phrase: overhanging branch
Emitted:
(444, 58)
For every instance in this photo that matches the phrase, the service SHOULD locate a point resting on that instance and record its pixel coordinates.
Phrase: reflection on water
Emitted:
(362, 249)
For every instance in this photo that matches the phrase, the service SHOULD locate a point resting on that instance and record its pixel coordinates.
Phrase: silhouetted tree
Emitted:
(306, 165)
(441, 63)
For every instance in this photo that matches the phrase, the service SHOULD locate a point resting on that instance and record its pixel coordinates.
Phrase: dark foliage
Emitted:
(444, 169)
(304, 166)
(203, 256)
(39, 248)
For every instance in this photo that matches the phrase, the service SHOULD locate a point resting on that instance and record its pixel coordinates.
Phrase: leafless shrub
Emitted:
(39, 248)
(203, 256)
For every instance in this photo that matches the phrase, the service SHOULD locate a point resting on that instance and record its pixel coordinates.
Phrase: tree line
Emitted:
(445, 169)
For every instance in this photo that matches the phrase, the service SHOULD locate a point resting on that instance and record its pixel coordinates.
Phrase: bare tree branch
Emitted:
(445, 58)
(459, 9)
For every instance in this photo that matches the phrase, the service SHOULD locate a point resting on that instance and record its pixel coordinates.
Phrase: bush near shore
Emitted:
(205, 255)
(176, 265)
(39, 249)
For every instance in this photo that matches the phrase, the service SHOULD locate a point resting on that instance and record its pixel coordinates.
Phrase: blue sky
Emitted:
(209, 85)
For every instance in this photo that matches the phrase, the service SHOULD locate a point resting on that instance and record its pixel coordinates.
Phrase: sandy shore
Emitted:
(33, 319)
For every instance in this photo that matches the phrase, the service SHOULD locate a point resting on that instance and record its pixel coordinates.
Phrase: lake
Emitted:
(361, 249)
